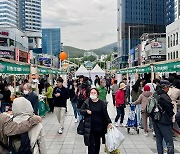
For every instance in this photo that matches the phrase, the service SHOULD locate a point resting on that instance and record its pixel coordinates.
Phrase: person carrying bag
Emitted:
(96, 121)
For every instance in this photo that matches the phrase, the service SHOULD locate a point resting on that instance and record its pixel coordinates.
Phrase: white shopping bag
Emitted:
(114, 138)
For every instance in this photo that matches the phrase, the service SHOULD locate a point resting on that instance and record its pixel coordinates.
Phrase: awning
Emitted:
(145, 69)
(46, 71)
(132, 71)
(167, 67)
(13, 68)
(43, 70)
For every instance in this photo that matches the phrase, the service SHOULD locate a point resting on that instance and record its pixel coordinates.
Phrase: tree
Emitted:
(89, 58)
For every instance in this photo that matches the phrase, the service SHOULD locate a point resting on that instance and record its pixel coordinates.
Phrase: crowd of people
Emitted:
(89, 103)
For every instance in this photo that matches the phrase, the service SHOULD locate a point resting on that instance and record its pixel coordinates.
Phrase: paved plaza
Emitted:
(72, 143)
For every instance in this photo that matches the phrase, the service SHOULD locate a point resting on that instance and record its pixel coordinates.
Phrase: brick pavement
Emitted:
(72, 143)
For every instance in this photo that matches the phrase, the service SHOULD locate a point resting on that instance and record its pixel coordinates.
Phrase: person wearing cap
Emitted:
(120, 104)
(60, 96)
(143, 100)
(163, 127)
(10, 128)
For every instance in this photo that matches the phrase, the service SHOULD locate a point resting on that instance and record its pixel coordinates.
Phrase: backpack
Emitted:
(153, 109)
(20, 144)
(82, 95)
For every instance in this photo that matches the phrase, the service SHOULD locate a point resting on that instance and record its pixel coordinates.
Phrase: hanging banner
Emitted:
(45, 71)
(132, 70)
(12, 68)
(167, 67)
(142, 70)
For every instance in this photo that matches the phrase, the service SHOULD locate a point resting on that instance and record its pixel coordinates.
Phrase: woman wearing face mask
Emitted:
(96, 121)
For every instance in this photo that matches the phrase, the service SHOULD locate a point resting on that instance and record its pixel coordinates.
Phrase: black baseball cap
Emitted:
(165, 83)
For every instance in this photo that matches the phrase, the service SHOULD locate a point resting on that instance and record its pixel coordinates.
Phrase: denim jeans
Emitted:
(79, 115)
(139, 117)
(74, 105)
(3, 107)
(164, 132)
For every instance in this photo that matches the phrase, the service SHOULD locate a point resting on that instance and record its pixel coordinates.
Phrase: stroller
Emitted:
(132, 119)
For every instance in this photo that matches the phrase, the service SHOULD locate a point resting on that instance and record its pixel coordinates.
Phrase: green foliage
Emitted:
(89, 58)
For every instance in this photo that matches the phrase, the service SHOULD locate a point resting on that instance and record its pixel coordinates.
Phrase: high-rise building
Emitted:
(51, 41)
(144, 16)
(30, 15)
(8, 13)
(170, 14)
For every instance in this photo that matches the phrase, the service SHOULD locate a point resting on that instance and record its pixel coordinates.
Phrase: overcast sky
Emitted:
(86, 24)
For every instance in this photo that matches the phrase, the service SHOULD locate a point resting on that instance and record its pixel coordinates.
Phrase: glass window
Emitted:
(11, 42)
(171, 40)
(168, 56)
(177, 38)
(174, 55)
(3, 42)
(168, 41)
(177, 54)
(174, 39)
(171, 56)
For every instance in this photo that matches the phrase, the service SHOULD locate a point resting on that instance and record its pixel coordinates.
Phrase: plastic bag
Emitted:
(117, 151)
(114, 138)
(131, 115)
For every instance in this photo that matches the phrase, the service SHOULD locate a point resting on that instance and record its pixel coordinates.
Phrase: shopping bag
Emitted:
(117, 151)
(114, 138)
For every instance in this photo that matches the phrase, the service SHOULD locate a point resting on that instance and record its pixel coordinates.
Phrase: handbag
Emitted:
(80, 128)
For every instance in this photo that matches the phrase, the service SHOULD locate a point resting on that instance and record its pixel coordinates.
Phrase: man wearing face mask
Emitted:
(31, 96)
(102, 90)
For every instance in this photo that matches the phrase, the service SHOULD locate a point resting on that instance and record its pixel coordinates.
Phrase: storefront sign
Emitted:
(4, 33)
(12, 68)
(156, 45)
(167, 67)
(17, 54)
(156, 57)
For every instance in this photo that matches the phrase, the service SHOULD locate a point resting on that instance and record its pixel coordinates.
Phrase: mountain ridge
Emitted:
(77, 53)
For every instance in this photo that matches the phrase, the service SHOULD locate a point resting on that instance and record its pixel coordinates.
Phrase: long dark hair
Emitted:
(137, 85)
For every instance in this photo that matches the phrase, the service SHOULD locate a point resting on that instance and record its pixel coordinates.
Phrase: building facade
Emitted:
(153, 48)
(8, 13)
(29, 13)
(173, 40)
(13, 44)
(145, 16)
(51, 41)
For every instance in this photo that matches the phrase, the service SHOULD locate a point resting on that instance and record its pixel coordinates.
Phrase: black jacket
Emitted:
(33, 98)
(87, 119)
(165, 103)
(6, 96)
(72, 94)
(62, 99)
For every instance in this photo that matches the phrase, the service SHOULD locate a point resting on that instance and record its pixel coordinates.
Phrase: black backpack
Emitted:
(20, 144)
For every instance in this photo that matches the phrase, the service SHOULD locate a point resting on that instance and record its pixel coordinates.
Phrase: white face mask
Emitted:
(93, 97)
(25, 92)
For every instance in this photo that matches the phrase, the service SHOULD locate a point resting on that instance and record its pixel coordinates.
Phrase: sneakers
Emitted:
(116, 124)
(121, 125)
(76, 121)
(146, 134)
(60, 131)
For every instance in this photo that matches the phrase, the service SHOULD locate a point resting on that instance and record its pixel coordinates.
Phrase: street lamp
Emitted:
(129, 41)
